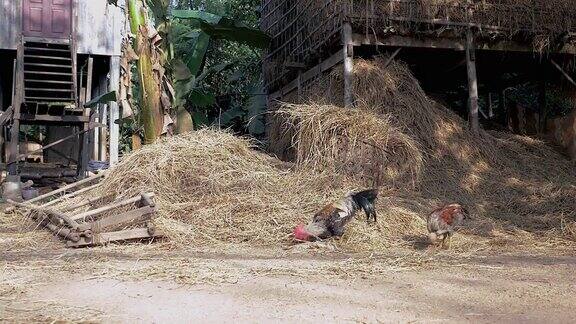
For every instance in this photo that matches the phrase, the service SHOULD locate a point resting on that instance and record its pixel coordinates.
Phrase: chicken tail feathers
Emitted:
(366, 200)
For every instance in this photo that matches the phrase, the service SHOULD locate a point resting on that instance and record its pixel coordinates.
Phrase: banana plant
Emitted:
(189, 33)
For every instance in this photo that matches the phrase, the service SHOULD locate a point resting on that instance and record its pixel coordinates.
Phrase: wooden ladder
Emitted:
(49, 74)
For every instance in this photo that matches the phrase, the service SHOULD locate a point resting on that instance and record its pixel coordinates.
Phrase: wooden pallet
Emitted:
(102, 223)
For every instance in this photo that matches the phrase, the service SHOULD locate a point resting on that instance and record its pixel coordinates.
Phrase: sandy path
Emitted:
(483, 290)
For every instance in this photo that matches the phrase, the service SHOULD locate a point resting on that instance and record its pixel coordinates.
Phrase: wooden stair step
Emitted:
(48, 89)
(48, 81)
(48, 73)
(67, 66)
(57, 58)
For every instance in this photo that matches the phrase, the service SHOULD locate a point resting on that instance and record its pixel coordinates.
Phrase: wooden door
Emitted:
(47, 18)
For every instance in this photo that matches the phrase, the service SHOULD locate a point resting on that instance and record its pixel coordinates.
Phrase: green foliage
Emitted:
(210, 47)
(216, 92)
(104, 98)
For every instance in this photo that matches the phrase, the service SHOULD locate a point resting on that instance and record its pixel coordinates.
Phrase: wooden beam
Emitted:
(112, 206)
(451, 43)
(348, 57)
(26, 118)
(45, 147)
(67, 187)
(117, 221)
(114, 112)
(70, 195)
(65, 218)
(125, 235)
(13, 145)
(84, 154)
(472, 83)
(88, 201)
(564, 73)
(392, 57)
(308, 75)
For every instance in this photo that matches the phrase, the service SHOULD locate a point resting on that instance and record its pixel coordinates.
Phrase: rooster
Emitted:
(330, 220)
(443, 221)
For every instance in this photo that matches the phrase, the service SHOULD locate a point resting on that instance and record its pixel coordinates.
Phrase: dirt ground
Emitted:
(161, 285)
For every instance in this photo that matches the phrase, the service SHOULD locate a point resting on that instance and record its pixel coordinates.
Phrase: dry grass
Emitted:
(215, 189)
(521, 191)
(363, 147)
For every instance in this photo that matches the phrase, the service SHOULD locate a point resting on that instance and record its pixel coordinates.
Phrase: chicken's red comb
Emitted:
(300, 233)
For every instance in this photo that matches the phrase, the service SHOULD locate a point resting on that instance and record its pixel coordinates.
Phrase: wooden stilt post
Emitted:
(348, 65)
(84, 154)
(114, 112)
(472, 83)
(13, 145)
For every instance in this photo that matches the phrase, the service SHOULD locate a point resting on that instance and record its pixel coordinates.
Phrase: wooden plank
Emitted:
(88, 201)
(46, 49)
(25, 155)
(392, 57)
(62, 119)
(48, 81)
(449, 43)
(43, 57)
(49, 73)
(65, 218)
(47, 89)
(67, 187)
(48, 65)
(472, 83)
(49, 99)
(310, 74)
(70, 195)
(564, 73)
(125, 235)
(116, 221)
(112, 206)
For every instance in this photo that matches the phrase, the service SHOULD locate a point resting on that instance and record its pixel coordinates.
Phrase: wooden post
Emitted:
(348, 65)
(114, 113)
(102, 114)
(472, 83)
(18, 99)
(84, 154)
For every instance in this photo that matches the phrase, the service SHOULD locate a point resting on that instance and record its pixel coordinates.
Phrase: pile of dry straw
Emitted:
(213, 187)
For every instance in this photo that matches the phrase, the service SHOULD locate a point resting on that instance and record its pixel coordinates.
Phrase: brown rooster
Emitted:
(443, 221)
(330, 220)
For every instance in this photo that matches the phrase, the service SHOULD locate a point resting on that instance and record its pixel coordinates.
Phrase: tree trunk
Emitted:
(150, 104)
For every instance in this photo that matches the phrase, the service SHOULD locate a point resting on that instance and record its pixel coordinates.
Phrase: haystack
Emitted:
(213, 188)
(512, 184)
(361, 146)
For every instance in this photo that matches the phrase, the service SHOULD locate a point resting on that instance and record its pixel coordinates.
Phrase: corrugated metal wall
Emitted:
(9, 23)
(100, 26)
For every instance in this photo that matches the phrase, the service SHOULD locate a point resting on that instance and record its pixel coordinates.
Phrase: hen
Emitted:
(443, 221)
